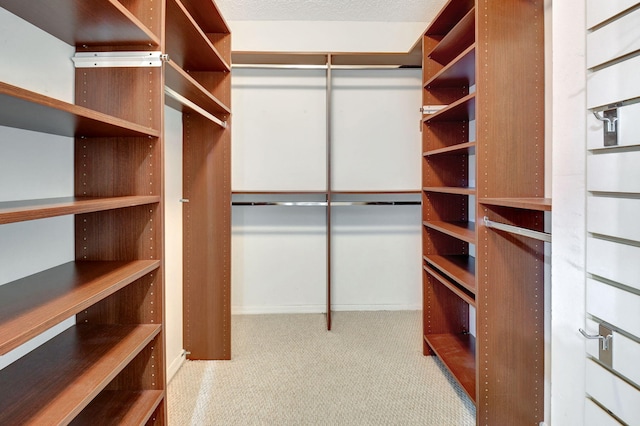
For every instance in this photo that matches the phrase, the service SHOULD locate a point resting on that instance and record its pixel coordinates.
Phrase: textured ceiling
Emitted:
(330, 10)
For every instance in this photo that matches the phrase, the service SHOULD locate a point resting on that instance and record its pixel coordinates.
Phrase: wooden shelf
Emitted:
(538, 204)
(187, 45)
(78, 22)
(459, 268)
(18, 107)
(207, 15)
(449, 16)
(31, 305)
(467, 148)
(450, 190)
(455, 41)
(19, 211)
(185, 85)
(465, 231)
(458, 354)
(461, 72)
(463, 109)
(460, 292)
(112, 408)
(68, 371)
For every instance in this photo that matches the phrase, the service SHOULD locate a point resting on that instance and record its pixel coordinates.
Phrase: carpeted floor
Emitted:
(288, 370)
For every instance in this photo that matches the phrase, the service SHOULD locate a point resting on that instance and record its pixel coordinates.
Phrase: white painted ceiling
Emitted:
(330, 10)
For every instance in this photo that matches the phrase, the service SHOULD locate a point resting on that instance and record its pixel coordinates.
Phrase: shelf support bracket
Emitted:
(118, 59)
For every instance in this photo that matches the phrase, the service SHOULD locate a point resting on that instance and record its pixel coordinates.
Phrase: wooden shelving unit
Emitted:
(198, 83)
(109, 368)
(483, 60)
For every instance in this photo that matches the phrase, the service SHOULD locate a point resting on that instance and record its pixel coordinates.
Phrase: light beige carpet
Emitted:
(288, 370)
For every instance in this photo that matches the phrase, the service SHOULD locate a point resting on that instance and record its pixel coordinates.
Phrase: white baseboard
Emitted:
(317, 309)
(175, 365)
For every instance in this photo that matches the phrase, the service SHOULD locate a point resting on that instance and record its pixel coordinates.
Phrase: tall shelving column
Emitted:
(484, 76)
(111, 363)
(198, 83)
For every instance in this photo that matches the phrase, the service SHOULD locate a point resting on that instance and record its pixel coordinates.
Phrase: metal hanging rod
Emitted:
(325, 204)
(315, 67)
(186, 102)
(543, 236)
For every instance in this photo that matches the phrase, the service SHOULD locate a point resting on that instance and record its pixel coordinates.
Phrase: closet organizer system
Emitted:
(111, 364)
(329, 197)
(483, 239)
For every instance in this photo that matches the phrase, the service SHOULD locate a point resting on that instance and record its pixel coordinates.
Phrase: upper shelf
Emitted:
(187, 45)
(207, 15)
(185, 85)
(81, 22)
(459, 72)
(457, 40)
(31, 305)
(449, 16)
(19, 107)
(539, 204)
(23, 210)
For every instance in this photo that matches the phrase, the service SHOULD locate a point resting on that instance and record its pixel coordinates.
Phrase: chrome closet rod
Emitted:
(324, 203)
(543, 236)
(315, 67)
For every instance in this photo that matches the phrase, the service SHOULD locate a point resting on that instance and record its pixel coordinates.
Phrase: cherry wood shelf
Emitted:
(31, 305)
(463, 109)
(19, 211)
(458, 354)
(449, 16)
(465, 231)
(460, 292)
(187, 45)
(75, 366)
(459, 268)
(459, 72)
(538, 204)
(450, 190)
(18, 107)
(112, 408)
(467, 148)
(180, 81)
(207, 15)
(78, 22)
(455, 41)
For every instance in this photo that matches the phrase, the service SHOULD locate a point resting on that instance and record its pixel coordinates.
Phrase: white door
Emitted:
(613, 213)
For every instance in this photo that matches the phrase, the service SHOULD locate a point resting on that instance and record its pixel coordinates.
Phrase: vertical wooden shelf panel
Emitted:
(199, 43)
(497, 46)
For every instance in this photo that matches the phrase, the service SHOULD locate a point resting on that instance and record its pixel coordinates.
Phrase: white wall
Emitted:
(173, 240)
(568, 227)
(279, 253)
(34, 165)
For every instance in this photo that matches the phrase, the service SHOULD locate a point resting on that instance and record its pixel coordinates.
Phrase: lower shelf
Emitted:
(113, 408)
(55, 382)
(458, 353)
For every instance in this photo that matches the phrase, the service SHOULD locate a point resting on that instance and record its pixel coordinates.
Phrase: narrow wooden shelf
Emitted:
(463, 109)
(187, 45)
(459, 268)
(31, 305)
(78, 22)
(449, 16)
(461, 293)
(207, 15)
(19, 107)
(460, 72)
(450, 190)
(185, 85)
(24, 210)
(112, 408)
(455, 41)
(465, 231)
(538, 204)
(284, 192)
(53, 383)
(376, 192)
(458, 353)
(467, 148)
